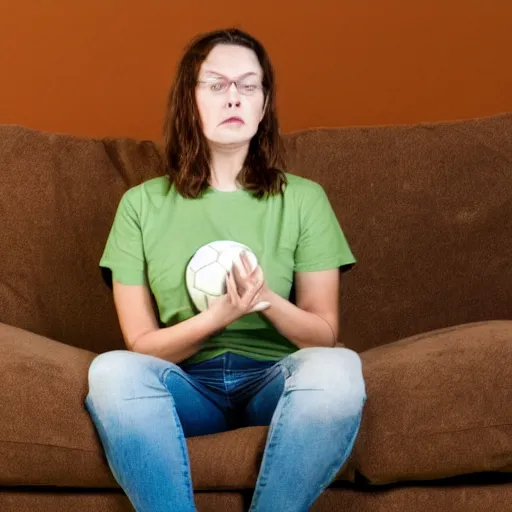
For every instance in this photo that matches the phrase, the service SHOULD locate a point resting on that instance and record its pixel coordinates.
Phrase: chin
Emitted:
(232, 138)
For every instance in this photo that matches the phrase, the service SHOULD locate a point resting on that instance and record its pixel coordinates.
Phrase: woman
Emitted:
(190, 373)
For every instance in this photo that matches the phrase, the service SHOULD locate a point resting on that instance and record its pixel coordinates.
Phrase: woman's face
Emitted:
(229, 96)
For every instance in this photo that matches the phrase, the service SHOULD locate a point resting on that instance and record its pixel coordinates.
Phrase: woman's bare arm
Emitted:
(313, 321)
(142, 333)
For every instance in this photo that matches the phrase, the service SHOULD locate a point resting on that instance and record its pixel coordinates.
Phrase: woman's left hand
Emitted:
(246, 275)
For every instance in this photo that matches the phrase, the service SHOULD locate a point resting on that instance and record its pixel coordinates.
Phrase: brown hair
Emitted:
(186, 148)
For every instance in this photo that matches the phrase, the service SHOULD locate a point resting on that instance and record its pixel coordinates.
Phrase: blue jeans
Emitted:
(144, 407)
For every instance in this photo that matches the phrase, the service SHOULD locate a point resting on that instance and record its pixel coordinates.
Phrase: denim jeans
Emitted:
(144, 407)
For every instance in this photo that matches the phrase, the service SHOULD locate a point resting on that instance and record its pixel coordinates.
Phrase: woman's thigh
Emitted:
(259, 409)
(333, 372)
(200, 410)
(120, 378)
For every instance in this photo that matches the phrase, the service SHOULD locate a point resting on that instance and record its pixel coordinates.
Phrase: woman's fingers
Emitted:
(245, 276)
(237, 275)
(232, 290)
(246, 282)
(252, 292)
(228, 286)
(245, 262)
(250, 272)
(260, 306)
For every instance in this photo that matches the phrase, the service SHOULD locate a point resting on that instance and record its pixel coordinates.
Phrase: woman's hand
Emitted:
(242, 297)
(246, 276)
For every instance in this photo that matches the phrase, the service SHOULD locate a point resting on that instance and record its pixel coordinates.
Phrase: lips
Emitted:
(233, 120)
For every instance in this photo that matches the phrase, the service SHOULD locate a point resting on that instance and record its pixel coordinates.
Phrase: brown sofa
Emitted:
(427, 210)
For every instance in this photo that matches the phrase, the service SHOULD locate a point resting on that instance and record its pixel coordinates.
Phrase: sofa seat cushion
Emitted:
(438, 405)
(48, 439)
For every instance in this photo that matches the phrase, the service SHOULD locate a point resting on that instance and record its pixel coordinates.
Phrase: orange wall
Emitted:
(103, 67)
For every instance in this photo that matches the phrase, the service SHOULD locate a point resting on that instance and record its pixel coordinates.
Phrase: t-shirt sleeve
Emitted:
(322, 244)
(124, 250)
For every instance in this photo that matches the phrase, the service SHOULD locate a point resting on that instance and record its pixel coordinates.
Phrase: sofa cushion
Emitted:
(106, 501)
(445, 496)
(426, 209)
(438, 405)
(58, 196)
(47, 437)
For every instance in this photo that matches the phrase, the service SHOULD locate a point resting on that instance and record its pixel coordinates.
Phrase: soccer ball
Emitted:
(207, 270)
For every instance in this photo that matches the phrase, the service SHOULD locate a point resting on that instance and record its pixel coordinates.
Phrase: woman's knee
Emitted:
(108, 368)
(122, 373)
(335, 371)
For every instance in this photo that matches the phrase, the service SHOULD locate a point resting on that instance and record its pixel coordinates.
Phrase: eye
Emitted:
(216, 87)
(249, 88)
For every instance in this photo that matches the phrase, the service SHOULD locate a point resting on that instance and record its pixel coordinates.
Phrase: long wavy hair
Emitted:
(186, 148)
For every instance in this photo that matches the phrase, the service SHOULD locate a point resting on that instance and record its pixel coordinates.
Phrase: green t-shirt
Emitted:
(156, 231)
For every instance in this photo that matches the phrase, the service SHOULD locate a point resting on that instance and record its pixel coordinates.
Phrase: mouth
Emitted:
(233, 120)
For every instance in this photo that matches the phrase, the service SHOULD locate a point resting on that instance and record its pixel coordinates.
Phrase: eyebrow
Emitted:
(211, 72)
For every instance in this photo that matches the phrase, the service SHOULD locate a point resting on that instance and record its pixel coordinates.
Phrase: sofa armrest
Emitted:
(43, 384)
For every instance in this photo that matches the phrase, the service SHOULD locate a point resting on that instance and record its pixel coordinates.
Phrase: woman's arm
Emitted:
(313, 322)
(142, 333)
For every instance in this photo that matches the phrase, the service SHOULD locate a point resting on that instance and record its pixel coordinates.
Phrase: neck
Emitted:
(226, 162)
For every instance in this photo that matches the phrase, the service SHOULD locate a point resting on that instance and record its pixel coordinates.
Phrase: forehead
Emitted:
(231, 61)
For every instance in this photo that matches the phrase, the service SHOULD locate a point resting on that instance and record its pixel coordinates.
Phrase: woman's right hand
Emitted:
(232, 306)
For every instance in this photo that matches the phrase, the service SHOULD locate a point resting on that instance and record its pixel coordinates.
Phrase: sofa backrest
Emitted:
(427, 210)
(58, 197)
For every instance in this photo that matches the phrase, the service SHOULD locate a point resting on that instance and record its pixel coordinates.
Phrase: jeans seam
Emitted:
(346, 454)
(226, 391)
(185, 466)
(263, 382)
(272, 440)
(97, 425)
(186, 470)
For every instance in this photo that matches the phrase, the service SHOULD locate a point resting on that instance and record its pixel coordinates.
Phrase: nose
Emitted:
(233, 98)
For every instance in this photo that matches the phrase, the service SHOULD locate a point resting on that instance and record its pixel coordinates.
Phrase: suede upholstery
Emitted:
(427, 210)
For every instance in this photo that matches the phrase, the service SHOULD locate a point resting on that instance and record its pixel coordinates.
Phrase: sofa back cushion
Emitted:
(58, 196)
(427, 210)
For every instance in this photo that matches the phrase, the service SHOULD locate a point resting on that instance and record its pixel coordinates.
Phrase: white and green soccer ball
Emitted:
(207, 271)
